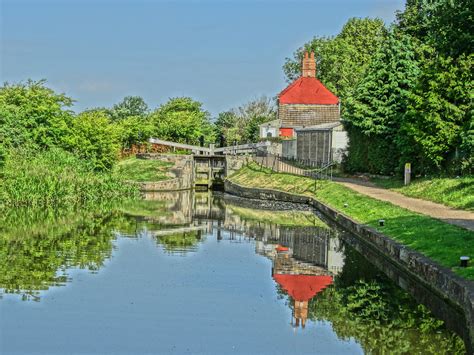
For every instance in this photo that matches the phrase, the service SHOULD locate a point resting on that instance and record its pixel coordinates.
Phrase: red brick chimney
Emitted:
(308, 67)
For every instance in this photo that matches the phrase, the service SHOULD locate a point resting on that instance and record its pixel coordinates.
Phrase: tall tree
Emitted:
(130, 106)
(446, 25)
(182, 120)
(376, 108)
(436, 130)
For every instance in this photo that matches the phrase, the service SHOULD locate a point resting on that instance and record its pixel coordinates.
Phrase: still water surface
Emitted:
(199, 273)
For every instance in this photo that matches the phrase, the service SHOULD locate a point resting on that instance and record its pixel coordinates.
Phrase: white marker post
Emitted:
(407, 173)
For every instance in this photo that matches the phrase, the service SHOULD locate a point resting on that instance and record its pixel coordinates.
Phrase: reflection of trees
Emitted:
(180, 242)
(382, 320)
(365, 305)
(36, 247)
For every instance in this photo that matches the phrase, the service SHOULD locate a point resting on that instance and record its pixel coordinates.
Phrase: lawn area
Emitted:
(440, 241)
(134, 169)
(453, 192)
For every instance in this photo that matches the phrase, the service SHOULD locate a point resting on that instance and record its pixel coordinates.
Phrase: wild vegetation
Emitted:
(406, 90)
(439, 241)
(55, 177)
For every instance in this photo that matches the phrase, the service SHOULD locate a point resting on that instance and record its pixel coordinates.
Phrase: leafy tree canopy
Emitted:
(130, 106)
(182, 120)
(446, 25)
(33, 113)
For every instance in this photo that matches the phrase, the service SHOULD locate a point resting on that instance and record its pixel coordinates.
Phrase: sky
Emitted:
(220, 52)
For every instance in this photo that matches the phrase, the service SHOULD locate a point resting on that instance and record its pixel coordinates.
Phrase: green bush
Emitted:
(55, 177)
(95, 139)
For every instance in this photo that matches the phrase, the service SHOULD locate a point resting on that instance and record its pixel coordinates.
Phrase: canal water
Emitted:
(201, 273)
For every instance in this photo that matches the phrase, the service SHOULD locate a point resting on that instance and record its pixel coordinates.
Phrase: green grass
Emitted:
(134, 169)
(442, 242)
(453, 192)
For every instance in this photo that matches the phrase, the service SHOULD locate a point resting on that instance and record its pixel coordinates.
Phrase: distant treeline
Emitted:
(406, 89)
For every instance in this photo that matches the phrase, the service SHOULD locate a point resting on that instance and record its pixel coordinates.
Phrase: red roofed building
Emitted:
(306, 102)
(309, 119)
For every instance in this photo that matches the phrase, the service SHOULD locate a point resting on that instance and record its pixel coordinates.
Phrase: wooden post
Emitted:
(407, 173)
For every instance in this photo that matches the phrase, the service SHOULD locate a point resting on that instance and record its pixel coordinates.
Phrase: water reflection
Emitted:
(316, 269)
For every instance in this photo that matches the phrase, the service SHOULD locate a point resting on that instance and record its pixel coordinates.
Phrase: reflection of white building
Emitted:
(335, 256)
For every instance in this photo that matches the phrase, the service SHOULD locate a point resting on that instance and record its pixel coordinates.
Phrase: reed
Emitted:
(55, 177)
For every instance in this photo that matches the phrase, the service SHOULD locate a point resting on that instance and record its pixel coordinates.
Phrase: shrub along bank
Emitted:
(442, 242)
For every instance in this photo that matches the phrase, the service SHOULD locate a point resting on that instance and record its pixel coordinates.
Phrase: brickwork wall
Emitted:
(307, 115)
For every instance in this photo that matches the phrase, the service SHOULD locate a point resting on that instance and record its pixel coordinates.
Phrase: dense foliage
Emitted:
(182, 120)
(31, 113)
(406, 90)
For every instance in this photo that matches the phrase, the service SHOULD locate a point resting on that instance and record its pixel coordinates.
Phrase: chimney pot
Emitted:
(309, 65)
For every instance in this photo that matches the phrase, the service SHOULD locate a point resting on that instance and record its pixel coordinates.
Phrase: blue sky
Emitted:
(220, 52)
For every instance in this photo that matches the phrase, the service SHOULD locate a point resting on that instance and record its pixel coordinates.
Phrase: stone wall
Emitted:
(438, 279)
(297, 115)
(181, 174)
(235, 162)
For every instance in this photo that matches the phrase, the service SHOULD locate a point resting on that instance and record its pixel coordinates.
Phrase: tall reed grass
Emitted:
(55, 177)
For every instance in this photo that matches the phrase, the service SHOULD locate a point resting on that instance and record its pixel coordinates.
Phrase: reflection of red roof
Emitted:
(280, 248)
(303, 287)
(307, 90)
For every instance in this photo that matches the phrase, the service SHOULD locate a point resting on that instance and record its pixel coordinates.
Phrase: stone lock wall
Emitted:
(297, 115)
(181, 175)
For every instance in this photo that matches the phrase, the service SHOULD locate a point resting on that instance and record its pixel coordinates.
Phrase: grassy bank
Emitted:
(56, 178)
(440, 241)
(453, 192)
(134, 169)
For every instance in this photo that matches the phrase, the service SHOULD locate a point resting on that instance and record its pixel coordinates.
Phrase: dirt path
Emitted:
(464, 219)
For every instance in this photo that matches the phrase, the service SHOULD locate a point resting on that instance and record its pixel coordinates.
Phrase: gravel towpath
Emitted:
(461, 218)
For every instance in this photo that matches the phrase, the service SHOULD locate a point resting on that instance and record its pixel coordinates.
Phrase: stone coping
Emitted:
(439, 279)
